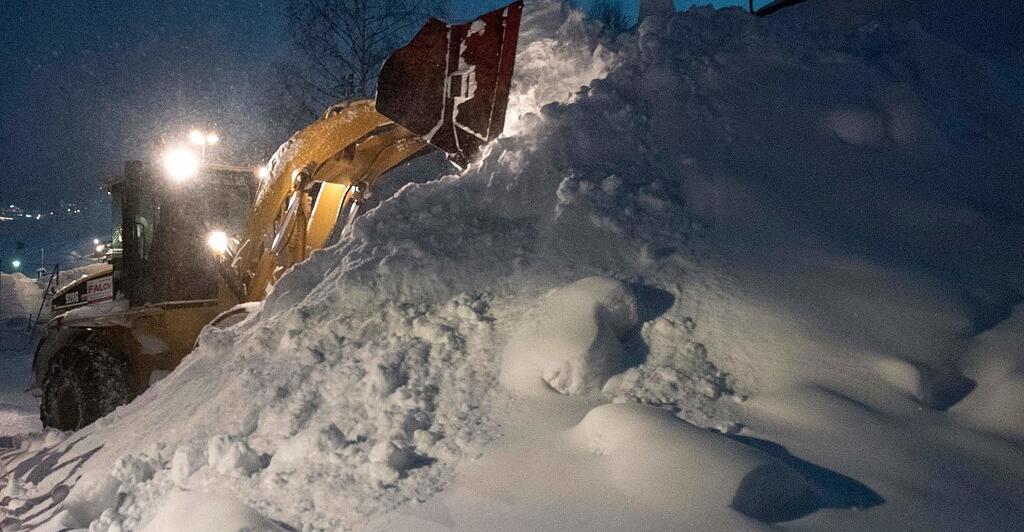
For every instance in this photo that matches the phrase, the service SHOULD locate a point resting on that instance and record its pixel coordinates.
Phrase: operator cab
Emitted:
(121, 326)
(160, 244)
(167, 227)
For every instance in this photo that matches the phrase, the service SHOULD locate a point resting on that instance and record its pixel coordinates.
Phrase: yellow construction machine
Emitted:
(193, 243)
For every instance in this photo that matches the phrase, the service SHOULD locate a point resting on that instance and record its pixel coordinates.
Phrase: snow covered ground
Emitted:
(20, 298)
(63, 238)
(759, 273)
(19, 301)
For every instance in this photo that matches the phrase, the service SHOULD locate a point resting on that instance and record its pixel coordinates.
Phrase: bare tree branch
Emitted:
(610, 14)
(339, 46)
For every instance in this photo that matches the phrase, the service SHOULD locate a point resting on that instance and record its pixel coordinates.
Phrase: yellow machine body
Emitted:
(448, 88)
(341, 155)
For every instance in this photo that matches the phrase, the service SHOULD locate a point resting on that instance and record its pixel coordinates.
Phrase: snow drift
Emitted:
(735, 280)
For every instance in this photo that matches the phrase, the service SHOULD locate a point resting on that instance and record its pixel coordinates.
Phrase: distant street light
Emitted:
(16, 263)
(204, 139)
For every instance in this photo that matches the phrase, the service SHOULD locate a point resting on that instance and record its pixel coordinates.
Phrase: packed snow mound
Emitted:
(642, 446)
(775, 227)
(184, 510)
(996, 361)
(572, 342)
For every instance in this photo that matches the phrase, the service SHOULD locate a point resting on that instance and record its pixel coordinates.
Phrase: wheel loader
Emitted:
(195, 248)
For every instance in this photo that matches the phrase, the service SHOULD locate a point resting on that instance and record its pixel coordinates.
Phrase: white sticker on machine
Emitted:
(100, 289)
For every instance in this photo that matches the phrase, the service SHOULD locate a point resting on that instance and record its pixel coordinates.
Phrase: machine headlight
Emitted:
(181, 164)
(218, 242)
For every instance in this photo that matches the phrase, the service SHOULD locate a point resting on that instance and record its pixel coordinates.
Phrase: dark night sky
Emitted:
(88, 84)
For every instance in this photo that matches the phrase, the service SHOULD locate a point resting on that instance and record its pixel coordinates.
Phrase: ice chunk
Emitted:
(187, 460)
(232, 456)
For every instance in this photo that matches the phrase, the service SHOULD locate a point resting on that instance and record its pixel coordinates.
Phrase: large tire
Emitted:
(85, 381)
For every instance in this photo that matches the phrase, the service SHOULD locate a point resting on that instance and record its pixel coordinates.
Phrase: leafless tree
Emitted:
(293, 100)
(338, 48)
(610, 14)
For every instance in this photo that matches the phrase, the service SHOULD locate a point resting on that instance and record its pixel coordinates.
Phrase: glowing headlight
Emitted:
(100, 248)
(181, 164)
(218, 242)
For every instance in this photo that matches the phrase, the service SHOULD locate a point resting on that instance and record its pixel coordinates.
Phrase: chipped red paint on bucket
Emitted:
(451, 83)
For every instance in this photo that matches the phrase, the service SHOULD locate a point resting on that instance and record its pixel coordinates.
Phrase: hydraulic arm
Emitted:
(448, 88)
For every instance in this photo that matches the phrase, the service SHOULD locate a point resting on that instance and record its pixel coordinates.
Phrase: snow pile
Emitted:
(347, 414)
(552, 35)
(789, 231)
